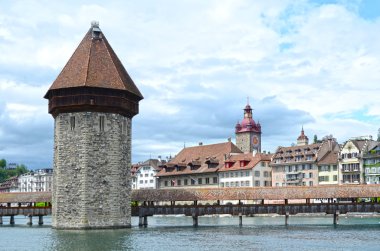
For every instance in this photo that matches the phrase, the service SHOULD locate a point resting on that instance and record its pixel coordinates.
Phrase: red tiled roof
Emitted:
(214, 154)
(250, 160)
(329, 158)
(95, 64)
(287, 155)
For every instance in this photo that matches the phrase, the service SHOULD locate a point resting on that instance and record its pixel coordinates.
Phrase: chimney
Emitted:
(200, 143)
(229, 139)
(159, 158)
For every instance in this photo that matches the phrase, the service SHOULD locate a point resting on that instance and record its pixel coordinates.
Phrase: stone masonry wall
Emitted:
(243, 142)
(91, 182)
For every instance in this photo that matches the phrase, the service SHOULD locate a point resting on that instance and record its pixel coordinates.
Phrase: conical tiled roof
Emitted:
(95, 64)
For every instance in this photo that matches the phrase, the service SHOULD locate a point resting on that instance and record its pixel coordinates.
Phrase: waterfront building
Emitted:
(248, 133)
(10, 185)
(40, 180)
(134, 168)
(327, 162)
(371, 161)
(351, 159)
(246, 170)
(145, 174)
(196, 166)
(92, 101)
(296, 165)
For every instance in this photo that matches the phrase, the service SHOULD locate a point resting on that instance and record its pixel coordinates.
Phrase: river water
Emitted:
(214, 233)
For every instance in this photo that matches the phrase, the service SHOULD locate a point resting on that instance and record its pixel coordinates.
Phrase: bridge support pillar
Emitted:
(30, 220)
(336, 217)
(145, 221)
(141, 222)
(286, 218)
(40, 220)
(1, 220)
(195, 220)
(240, 220)
(12, 220)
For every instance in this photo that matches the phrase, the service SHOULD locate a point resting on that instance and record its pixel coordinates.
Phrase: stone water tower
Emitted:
(92, 101)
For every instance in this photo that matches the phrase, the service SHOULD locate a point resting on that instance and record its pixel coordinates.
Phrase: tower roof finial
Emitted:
(94, 24)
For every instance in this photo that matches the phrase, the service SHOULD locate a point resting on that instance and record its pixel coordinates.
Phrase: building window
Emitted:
(257, 183)
(199, 181)
(335, 177)
(185, 182)
(227, 175)
(323, 178)
(179, 182)
(310, 175)
(192, 181)
(147, 174)
(237, 183)
(72, 123)
(215, 180)
(166, 183)
(257, 173)
(207, 180)
(221, 184)
(151, 181)
(266, 174)
(247, 173)
(335, 167)
(310, 183)
(124, 127)
(141, 181)
(222, 175)
(247, 183)
(227, 184)
(101, 123)
(242, 183)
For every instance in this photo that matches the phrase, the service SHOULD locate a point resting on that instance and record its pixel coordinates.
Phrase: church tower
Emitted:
(92, 101)
(302, 140)
(248, 133)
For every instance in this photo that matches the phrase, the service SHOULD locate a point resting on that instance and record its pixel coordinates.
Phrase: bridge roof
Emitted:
(203, 194)
(253, 193)
(25, 197)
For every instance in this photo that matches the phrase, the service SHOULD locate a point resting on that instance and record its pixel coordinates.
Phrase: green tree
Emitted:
(3, 163)
(315, 139)
(6, 174)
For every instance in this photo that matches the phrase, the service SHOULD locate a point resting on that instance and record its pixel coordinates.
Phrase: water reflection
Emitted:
(94, 240)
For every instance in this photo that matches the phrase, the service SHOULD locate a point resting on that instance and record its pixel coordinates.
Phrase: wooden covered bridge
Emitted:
(209, 201)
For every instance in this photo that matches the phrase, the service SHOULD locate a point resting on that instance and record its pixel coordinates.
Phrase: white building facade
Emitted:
(145, 174)
(40, 180)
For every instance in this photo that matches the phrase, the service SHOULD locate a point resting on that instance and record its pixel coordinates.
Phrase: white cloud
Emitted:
(196, 62)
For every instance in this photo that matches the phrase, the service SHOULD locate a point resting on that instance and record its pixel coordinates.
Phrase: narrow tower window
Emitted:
(101, 123)
(72, 123)
(124, 129)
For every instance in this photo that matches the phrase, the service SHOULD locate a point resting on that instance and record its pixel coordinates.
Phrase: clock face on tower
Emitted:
(255, 141)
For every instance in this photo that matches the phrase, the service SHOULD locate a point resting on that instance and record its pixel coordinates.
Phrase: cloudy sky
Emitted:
(310, 63)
